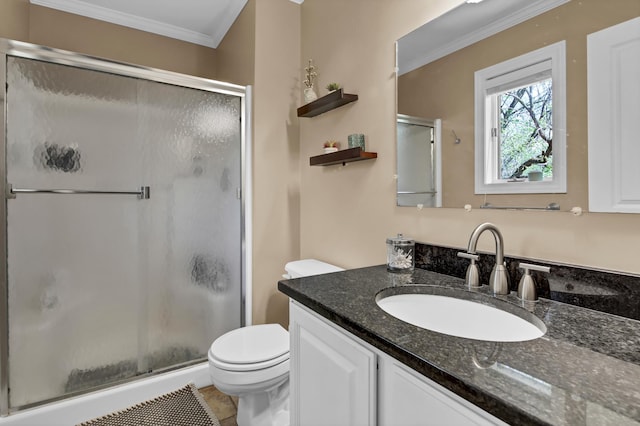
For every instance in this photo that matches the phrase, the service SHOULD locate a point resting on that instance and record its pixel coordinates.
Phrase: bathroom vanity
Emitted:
(352, 363)
(361, 383)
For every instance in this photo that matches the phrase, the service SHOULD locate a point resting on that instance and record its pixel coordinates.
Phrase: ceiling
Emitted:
(203, 22)
(463, 26)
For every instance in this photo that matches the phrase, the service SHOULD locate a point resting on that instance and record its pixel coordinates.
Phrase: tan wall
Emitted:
(14, 19)
(276, 219)
(237, 51)
(348, 212)
(261, 51)
(444, 89)
(23, 21)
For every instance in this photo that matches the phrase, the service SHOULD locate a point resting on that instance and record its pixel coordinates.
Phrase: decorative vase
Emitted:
(310, 95)
(356, 140)
(330, 149)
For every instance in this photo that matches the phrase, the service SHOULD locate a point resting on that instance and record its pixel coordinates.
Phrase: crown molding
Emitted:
(79, 7)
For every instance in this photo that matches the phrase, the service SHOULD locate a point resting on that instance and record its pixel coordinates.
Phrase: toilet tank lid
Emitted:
(308, 267)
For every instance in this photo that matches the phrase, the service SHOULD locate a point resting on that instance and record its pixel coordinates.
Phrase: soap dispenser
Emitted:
(527, 286)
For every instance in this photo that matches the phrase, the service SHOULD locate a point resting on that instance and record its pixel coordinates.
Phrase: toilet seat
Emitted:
(250, 348)
(248, 367)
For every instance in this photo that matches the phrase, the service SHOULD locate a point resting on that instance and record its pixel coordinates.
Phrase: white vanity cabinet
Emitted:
(333, 378)
(405, 398)
(338, 379)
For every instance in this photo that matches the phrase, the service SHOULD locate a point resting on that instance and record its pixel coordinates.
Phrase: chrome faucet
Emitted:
(499, 280)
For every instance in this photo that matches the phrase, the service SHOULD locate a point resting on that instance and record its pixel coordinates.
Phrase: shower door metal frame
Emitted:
(77, 60)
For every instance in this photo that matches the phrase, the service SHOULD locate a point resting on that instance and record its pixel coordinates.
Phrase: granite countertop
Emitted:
(584, 370)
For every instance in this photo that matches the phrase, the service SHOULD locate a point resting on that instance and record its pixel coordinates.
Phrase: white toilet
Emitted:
(253, 362)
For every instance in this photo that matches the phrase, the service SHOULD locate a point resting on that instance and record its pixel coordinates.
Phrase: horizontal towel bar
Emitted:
(551, 206)
(411, 192)
(144, 193)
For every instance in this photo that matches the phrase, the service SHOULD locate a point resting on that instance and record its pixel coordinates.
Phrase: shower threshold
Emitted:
(90, 405)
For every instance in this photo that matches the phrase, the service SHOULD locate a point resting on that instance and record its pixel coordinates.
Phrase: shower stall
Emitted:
(123, 221)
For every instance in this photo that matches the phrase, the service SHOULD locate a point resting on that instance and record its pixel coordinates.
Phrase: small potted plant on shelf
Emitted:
(331, 146)
(310, 94)
(332, 87)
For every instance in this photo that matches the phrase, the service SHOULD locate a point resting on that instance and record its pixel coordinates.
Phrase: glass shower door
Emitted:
(72, 259)
(192, 156)
(104, 287)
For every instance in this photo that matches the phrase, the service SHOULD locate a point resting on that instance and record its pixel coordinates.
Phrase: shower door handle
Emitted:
(144, 193)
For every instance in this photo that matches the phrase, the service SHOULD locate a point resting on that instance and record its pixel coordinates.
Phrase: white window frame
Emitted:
(550, 59)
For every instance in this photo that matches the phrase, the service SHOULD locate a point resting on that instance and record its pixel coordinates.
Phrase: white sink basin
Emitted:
(464, 318)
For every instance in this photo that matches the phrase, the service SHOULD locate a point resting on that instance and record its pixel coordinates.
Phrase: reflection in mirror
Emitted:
(418, 158)
(439, 82)
(520, 118)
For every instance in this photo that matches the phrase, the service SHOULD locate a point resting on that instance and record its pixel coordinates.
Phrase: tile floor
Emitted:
(224, 406)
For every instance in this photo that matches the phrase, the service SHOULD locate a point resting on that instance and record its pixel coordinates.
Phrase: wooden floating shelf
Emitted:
(342, 157)
(326, 103)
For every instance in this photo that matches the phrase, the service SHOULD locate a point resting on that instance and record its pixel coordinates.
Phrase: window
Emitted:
(520, 140)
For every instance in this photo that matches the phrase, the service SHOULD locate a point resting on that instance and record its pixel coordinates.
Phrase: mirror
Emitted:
(436, 66)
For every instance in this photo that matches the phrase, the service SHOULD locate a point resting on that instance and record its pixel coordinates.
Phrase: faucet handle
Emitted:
(467, 255)
(472, 278)
(532, 267)
(527, 286)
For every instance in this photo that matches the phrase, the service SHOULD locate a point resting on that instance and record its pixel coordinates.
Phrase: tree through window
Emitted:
(526, 130)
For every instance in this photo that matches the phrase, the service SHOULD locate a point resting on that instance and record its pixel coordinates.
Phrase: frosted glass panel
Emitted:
(72, 299)
(106, 287)
(72, 260)
(194, 263)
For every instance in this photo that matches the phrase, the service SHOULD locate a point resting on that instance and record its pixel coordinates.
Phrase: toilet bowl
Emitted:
(252, 362)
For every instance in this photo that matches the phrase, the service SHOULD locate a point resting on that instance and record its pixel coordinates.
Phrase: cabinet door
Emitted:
(407, 398)
(613, 66)
(332, 376)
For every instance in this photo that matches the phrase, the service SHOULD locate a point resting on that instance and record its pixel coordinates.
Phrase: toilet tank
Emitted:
(307, 267)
